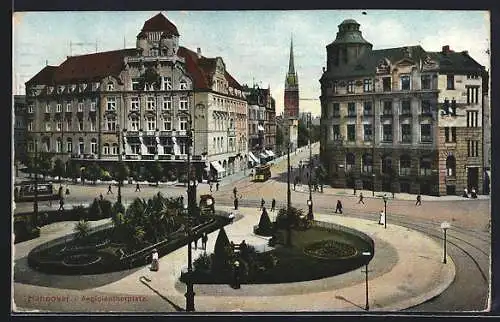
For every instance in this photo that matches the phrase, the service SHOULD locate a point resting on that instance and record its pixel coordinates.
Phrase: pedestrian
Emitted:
(217, 186)
(235, 191)
(195, 241)
(67, 190)
(381, 219)
(235, 203)
(262, 203)
(338, 207)
(137, 188)
(109, 190)
(211, 186)
(204, 240)
(50, 201)
(419, 200)
(361, 198)
(60, 192)
(155, 266)
(101, 197)
(273, 205)
(466, 193)
(473, 194)
(354, 190)
(61, 204)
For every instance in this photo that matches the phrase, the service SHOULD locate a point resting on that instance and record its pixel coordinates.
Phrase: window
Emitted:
(167, 124)
(387, 108)
(167, 103)
(105, 149)
(59, 108)
(92, 125)
(336, 109)
(473, 95)
(336, 131)
(367, 130)
(367, 163)
(166, 83)
(350, 86)
(183, 85)
(386, 165)
(150, 103)
(387, 133)
(93, 104)
(405, 82)
(68, 125)
(81, 146)
(450, 134)
(425, 133)
(350, 161)
(183, 103)
(335, 87)
(351, 109)
(425, 166)
(367, 85)
(48, 127)
(135, 148)
(406, 107)
(110, 123)
(136, 84)
(405, 165)
(450, 81)
(134, 103)
(30, 108)
(69, 145)
(47, 108)
(59, 126)
(183, 123)
(426, 107)
(367, 108)
(450, 166)
(472, 118)
(31, 146)
(151, 122)
(386, 84)
(111, 104)
(93, 146)
(134, 123)
(406, 133)
(114, 148)
(80, 125)
(472, 148)
(425, 82)
(58, 145)
(110, 86)
(60, 89)
(47, 145)
(351, 132)
(30, 126)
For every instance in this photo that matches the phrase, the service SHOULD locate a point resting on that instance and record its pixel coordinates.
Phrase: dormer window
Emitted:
(183, 85)
(83, 86)
(166, 83)
(60, 89)
(96, 86)
(73, 87)
(111, 86)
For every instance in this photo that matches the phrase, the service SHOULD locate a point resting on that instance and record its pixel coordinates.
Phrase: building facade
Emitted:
(20, 128)
(136, 104)
(400, 119)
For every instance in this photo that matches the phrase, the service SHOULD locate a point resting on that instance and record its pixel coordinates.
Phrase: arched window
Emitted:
(93, 146)
(404, 165)
(58, 145)
(105, 149)
(450, 166)
(183, 84)
(367, 160)
(69, 145)
(386, 165)
(81, 146)
(425, 166)
(114, 148)
(350, 160)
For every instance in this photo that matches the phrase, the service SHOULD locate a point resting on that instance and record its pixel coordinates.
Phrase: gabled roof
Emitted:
(160, 23)
(43, 77)
(455, 62)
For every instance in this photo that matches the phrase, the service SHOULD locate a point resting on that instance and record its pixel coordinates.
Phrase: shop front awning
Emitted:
(216, 165)
(263, 155)
(270, 153)
(253, 157)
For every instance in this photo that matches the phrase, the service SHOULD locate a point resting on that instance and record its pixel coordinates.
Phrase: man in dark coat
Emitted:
(338, 207)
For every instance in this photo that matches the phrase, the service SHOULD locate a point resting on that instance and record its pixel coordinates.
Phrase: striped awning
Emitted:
(217, 166)
(270, 153)
(253, 157)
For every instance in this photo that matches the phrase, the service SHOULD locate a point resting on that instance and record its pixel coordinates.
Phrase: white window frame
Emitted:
(183, 123)
(30, 108)
(151, 123)
(183, 85)
(105, 149)
(111, 103)
(81, 126)
(110, 124)
(93, 147)
(68, 125)
(93, 104)
(167, 103)
(110, 86)
(92, 126)
(134, 103)
(80, 107)
(114, 149)
(69, 146)
(48, 127)
(58, 126)
(58, 108)
(150, 103)
(134, 124)
(168, 121)
(47, 108)
(183, 104)
(166, 83)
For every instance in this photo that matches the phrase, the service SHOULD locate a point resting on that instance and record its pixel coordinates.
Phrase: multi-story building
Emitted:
(261, 124)
(291, 102)
(136, 104)
(486, 134)
(20, 111)
(400, 119)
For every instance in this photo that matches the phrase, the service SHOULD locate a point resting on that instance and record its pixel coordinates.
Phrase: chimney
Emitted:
(198, 51)
(465, 53)
(446, 49)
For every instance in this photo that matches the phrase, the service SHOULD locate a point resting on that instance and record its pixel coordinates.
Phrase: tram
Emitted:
(262, 173)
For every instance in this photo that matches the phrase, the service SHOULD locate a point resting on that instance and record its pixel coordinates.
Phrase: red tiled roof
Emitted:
(198, 74)
(91, 67)
(160, 23)
(43, 77)
(232, 82)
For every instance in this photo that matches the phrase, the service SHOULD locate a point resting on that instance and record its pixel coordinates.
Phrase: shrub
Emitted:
(265, 226)
(79, 212)
(223, 253)
(95, 210)
(203, 262)
(82, 229)
(106, 208)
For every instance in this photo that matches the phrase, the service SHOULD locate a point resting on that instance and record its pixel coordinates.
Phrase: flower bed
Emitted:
(330, 249)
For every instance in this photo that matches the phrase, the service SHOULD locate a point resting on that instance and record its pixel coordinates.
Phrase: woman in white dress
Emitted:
(154, 263)
(381, 220)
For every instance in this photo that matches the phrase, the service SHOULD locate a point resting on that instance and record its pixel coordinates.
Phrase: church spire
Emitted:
(291, 67)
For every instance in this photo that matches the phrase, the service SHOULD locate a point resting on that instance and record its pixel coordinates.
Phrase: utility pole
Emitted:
(309, 125)
(288, 196)
(120, 165)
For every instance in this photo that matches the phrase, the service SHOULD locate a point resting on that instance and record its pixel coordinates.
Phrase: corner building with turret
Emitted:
(401, 120)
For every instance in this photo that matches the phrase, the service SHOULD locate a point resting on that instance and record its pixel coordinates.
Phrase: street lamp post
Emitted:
(189, 285)
(118, 134)
(373, 184)
(35, 202)
(385, 212)
(288, 199)
(367, 305)
(310, 162)
(444, 226)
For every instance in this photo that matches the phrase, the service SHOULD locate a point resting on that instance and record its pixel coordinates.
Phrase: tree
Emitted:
(92, 172)
(223, 254)
(44, 163)
(303, 134)
(95, 211)
(58, 170)
(156, 171)
(73, 171)
(265, 226)
(122, 171)
(82, 229)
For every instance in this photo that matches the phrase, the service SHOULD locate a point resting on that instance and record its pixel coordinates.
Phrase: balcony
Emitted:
(132, 133)
(133, 157)
(148, 157)
(231, 132)
(164, 157)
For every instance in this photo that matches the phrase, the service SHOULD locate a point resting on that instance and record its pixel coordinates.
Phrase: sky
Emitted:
(255, 45)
